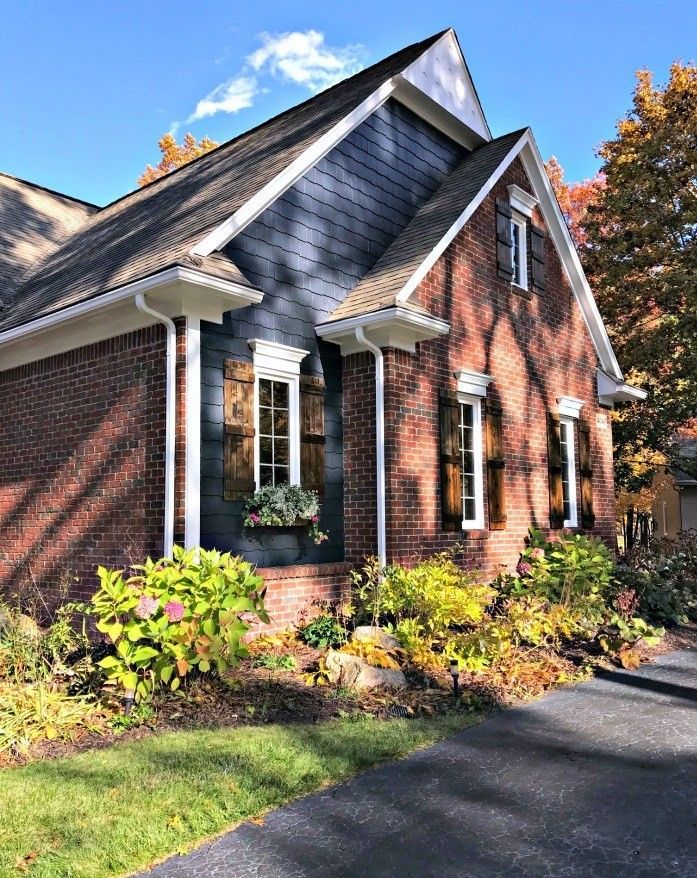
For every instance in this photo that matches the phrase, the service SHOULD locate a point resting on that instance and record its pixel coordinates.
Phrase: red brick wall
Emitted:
(290, 590)
(536, 347)
(82, 462)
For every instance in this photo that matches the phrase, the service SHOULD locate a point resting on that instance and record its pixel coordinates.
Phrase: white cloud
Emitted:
(231, 96)
(301, 57)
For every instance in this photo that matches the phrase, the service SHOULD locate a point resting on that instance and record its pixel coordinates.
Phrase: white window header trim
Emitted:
(278, 358)
(521, 201)
(472, 383)
(569, 406)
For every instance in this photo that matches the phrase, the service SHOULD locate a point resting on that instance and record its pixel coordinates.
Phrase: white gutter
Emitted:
(170, 420)
(379, 439)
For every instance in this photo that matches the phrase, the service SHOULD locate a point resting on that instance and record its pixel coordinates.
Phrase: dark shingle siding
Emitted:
(305, 252)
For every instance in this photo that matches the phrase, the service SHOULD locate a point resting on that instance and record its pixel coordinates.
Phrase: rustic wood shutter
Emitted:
(537, 248)
(556, 490)
(586, 472)
(238, 452)
(312, 435)
(450, 462)
(504, 240)
(496, 465)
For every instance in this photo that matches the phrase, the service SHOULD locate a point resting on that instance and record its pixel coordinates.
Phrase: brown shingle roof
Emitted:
(155, 227)
(379, 288)
(33, 221)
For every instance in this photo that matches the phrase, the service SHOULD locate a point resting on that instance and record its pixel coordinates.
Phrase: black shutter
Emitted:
(586, 468)
(504, 240)
(554, 466)
(496, 465)
(450, 462)
(312, 436)
(537, 247)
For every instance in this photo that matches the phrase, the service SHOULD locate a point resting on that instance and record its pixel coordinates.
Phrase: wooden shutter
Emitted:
(239, 430)
(586, 472)
(495, 467)
(556, 490)
(504, 240)
(537, 248)
(450, 462)
(312, 435)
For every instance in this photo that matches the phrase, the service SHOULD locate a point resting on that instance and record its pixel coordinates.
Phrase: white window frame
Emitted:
(569, 425)
(277, 362)
(521, 224)
(476, 523)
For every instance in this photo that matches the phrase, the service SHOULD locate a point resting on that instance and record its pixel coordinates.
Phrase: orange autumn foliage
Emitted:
(574, 198)
(175, 155)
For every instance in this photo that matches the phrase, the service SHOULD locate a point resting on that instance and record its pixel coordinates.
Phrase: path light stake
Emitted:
(455, 674)
(128, 697)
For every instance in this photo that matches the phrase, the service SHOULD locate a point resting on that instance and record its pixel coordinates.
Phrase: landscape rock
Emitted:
(376, 635)
(351, 671)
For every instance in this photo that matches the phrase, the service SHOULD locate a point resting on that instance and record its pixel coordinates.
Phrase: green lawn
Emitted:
(114, 811)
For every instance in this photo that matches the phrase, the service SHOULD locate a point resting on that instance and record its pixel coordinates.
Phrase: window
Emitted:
(276, 413)
(568, 471)
(519, 252)
(470, 429)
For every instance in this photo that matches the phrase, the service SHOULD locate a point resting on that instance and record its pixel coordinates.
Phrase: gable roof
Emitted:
(33, 222)
(157, 226)
(381, 286)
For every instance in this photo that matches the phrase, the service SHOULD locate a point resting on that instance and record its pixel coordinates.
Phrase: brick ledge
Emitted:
(303, 571)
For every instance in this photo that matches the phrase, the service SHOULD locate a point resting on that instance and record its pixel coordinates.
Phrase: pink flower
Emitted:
(254, 517)
(314, 519)
(146, 607)
(537, 553)
(523, 568)
(174, 610)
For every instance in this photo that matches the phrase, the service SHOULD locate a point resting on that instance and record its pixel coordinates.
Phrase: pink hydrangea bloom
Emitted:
(314, 519)
(174, 610)
(255, 517)
(146, 607)
(524, 568)
(537, 553)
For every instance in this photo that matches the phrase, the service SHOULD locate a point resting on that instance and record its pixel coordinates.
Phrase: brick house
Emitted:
(396, 282)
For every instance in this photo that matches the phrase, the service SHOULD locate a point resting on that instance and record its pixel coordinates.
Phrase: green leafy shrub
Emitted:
(274, 662)
(284, 506)
(176, 615)
(322, 632)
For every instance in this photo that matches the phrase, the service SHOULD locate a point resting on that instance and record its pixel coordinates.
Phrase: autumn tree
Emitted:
(174, 155)
(575, 199)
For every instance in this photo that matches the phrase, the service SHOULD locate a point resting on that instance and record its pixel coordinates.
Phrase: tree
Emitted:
(641, 256)
(175, 155)
(575, 199)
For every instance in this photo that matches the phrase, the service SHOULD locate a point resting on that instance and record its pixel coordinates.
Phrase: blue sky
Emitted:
(87, 88)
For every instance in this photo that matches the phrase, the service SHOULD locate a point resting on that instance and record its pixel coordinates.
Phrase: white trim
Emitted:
(395, 327)
(610, 390)
(277, 362)
(428, 263)
(192, 462)
(529, 154)
(570, 429)
(437, 86)
(472, 383)
(476, 523)
(381, 495)
(521, 224)
(569, 406)
(521, 201)
(170, 418)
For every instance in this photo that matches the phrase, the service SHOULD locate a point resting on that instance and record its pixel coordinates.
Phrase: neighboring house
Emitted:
(675, 490)
(398, 280)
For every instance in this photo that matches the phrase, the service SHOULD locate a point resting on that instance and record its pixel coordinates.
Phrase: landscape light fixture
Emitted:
(128, 698)
(455, 674)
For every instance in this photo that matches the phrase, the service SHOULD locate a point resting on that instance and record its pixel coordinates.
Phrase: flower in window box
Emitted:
(285, 506)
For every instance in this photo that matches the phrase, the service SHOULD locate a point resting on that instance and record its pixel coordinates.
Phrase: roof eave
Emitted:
(396, 327)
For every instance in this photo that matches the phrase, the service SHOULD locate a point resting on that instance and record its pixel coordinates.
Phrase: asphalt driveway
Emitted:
(596, 780)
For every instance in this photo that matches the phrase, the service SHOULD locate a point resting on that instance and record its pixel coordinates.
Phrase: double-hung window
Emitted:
(276, 413)
(470, 436)
(519, 252)
(568, 470)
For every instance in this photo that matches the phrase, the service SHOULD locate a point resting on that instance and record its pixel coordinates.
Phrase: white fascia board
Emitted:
(610, 390)
(251, 209)
(176, 291)
(529, 154)
(395, 327)
(435, 254)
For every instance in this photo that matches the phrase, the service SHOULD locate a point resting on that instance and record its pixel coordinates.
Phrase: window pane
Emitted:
(469, 509)
(264, 392)
(280, 394)
(264, 422)
(265, 449)
(265, 476)
(280, 451)
(280, 423)
(468, 485)
(281, 475)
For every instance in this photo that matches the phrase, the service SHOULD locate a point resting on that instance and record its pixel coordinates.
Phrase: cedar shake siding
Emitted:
(537, 348)
(82, 451)
(305, 252)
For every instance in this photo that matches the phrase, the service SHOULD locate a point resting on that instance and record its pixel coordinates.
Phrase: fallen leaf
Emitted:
(22, 864)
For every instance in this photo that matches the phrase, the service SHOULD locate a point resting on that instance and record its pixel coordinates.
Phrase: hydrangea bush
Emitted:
(284, 506)
(176, 615)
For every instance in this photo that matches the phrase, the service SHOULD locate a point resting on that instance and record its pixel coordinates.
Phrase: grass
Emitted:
(114, 811)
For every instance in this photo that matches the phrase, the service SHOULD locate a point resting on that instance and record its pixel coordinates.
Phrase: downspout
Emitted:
(170, 418)
(379, 439)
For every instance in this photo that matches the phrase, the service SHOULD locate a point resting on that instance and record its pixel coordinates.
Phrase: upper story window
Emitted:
(519, 252)
(276, 413)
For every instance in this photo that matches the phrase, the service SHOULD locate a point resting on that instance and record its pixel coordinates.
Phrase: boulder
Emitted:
(351, 671)
(376, 635)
